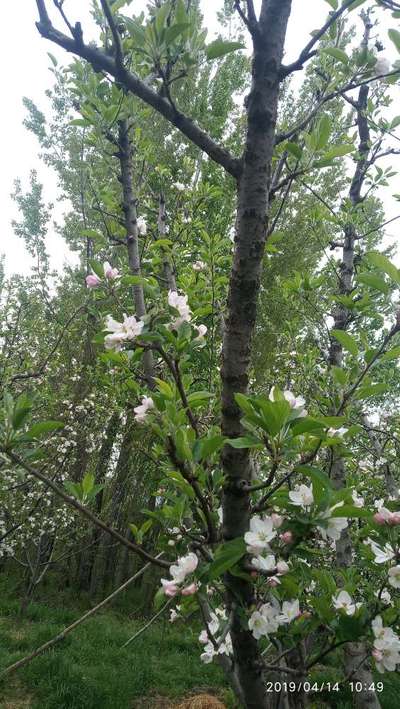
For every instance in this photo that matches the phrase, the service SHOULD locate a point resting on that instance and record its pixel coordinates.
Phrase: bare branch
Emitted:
(308, 52)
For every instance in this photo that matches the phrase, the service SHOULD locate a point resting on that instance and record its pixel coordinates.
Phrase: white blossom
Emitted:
(260, 534)
(142, 410)
(394, 576)
(302, 496)
(343, 601)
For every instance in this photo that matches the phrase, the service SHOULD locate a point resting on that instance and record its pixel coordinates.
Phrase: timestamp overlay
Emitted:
(311, 687)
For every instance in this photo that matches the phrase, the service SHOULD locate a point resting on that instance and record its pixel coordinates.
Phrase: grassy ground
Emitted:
(90, 670)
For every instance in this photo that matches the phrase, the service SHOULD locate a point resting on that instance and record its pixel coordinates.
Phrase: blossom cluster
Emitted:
(216, 640)
(386, 652)
(110, 274)
(184, 566)
(268, 618)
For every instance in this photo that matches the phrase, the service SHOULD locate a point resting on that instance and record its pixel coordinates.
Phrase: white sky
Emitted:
(23, 56)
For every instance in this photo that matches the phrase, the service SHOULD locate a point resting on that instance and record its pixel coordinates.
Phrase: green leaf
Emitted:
(136, 31)
(22, 409)
(199, 397)
(333, 421)
(74, 489)
(336, 53)
(323, 132)
(226, 556)
(351, 511)
(294, 149)
(219, 48)
(82, 122)
(305, 425)
(333, 4)
(346, 340)
(391, 354)
(87, 483)
(339, 375)
(371, 390)
(394, 35)
(52, 58)
(245, 442)
(383, 263)
(165, 388)
(171, 33)
(38, 429)
(205, 447)
(374, 282)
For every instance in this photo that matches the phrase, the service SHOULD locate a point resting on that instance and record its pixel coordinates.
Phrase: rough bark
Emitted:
(132, 235)
(168, 274)
(251, 230)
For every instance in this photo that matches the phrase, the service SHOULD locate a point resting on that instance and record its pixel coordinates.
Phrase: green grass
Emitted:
(89, 669)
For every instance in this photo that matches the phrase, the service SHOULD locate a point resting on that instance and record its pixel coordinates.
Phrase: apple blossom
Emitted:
(170, 588)
(185, 565)
(302, 496)
(282, 568)
(142, 410)
(121, 332)
(258, 625)
(290, 611)
(338, 432)
(179, 302)
(261, 532)
(109, 272)
(141, 226)
(264, 563)
(277, 520)
(202, 331)
(394, 576)
(381, 555)
(335, 526)
(287, 537)
(189, 590)
(92, 280)
(343, 601)
(358, 500)
(199, 266)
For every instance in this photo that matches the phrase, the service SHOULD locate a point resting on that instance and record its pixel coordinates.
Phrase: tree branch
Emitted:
(102, 62)
(84, 511)
(308, 52)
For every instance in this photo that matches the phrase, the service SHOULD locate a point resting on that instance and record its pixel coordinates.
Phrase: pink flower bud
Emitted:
(277, 520)
(377, 654)
(273, 581)
(92, 281)
(287, 537)
(394, 519)
(379, 518)
(189, 590)
(170, 589)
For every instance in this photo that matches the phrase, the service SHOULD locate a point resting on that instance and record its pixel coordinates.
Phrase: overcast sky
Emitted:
(25, 65)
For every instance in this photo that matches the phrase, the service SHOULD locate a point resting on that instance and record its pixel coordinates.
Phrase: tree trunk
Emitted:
(251, 230)
(132, 235)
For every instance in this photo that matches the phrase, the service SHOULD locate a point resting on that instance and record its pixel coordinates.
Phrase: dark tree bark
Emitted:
(132, 235)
